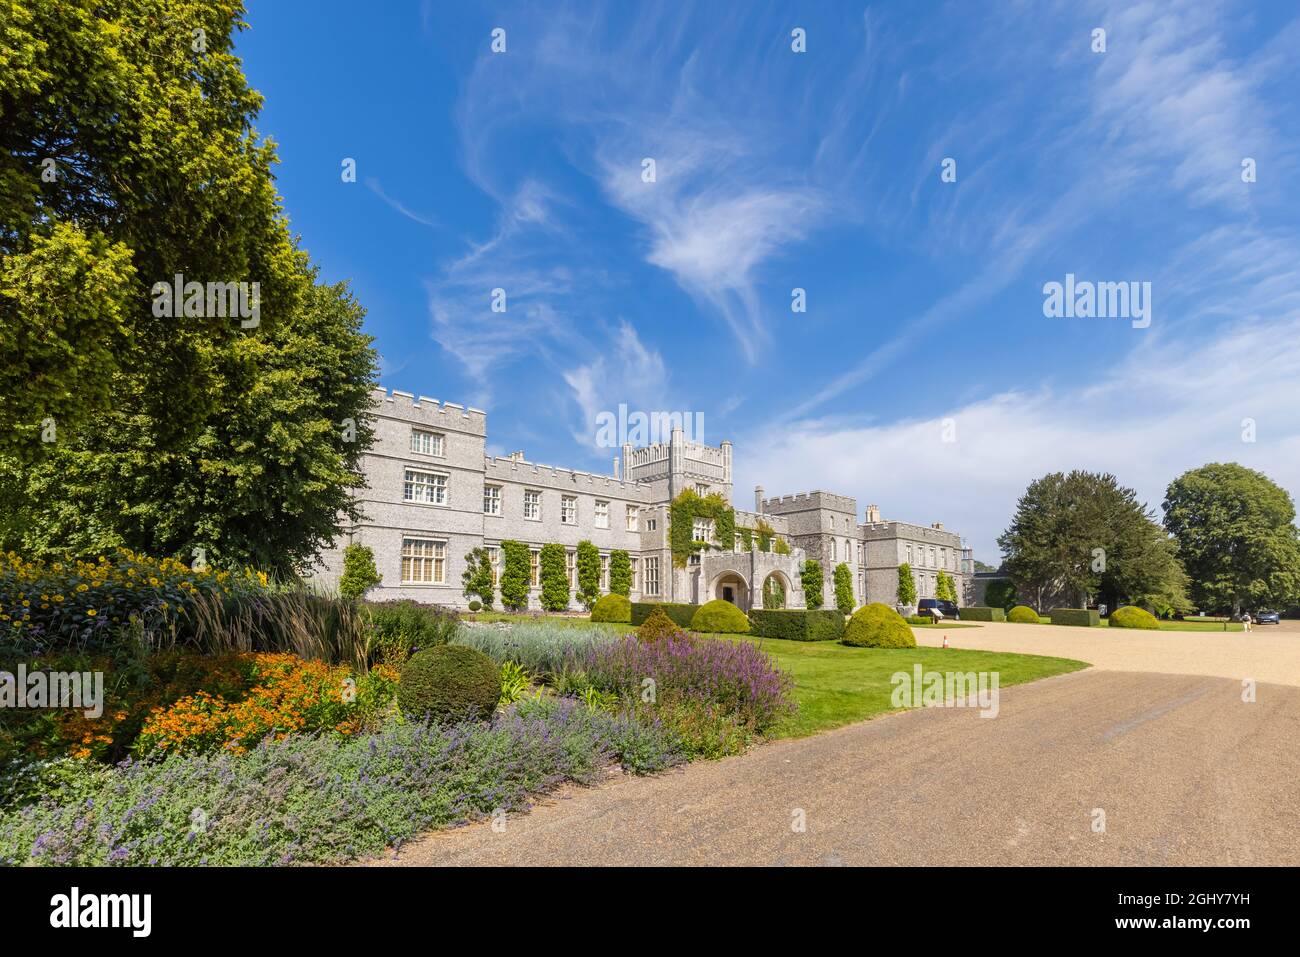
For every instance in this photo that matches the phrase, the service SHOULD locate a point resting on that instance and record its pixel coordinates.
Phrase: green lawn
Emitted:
(837, 685)
(562, 620)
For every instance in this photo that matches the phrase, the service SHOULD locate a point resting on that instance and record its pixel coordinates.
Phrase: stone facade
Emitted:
(434, 495)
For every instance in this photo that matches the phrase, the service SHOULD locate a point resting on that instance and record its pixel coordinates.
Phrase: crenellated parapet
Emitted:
(514, 468)
(422, 410)
(809, 501)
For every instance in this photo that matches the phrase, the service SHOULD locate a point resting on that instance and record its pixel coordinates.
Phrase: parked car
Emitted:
(1266, 618)
(927, 607)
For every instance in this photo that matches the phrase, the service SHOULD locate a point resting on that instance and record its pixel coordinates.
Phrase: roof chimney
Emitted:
(873, 514)
(758, 499)
(616, 466)
(517, 456)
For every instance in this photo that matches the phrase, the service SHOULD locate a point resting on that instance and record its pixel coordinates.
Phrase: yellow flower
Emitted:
(91, 612)
(82, 587)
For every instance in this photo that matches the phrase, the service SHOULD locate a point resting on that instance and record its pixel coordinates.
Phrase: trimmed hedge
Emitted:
(614, 608)
(449, 682)
(1080, 617)
(878, 626)
(1132, 617)
(796, 624)
(1023, 615)
(678, 612)
(720, 616)
(977, 613)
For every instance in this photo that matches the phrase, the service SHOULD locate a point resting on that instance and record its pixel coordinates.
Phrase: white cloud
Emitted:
(623, 370)
(1168, 97)
(714, 214)
(1166, 409)
(377, 188)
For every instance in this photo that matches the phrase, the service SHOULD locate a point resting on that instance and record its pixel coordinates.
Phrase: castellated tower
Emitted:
(679, 464)
(825, 526)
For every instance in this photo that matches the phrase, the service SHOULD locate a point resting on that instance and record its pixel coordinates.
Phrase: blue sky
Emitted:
(924, 376)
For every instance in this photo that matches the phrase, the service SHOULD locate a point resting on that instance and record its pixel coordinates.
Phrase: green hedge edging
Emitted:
(797, 624)
(1080, 617)
(681, 614)
(977, 613)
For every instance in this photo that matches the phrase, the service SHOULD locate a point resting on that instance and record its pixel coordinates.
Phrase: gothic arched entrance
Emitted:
(732, 587)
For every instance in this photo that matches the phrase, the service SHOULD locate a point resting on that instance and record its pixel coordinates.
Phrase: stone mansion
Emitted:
(434, 494)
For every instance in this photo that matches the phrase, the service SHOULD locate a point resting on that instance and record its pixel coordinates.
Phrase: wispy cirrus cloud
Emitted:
(377, 188)
(729, 194)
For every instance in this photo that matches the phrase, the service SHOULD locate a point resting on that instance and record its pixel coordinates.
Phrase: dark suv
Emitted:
(927, 606)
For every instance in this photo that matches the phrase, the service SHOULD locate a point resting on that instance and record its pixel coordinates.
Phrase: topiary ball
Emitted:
(1023, 615)
(658, 626)
(878, 626)
(475, 605)
(612, 608)
(721, 617)
(1131, 617)
(449, 682)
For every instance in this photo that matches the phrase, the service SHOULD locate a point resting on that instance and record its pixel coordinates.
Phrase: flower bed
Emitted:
(322, 799)
(714, 696)
(47, 606)
(185, 701)
(541, 647)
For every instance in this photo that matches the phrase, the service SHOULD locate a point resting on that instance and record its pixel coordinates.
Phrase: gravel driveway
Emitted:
(1184, 771)
(1270, 653)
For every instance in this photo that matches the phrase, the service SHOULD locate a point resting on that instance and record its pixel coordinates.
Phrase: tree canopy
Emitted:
(1236, 535)
(130, 158)
(1084, 535)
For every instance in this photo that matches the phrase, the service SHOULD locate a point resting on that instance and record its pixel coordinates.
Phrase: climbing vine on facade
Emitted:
(685, 509)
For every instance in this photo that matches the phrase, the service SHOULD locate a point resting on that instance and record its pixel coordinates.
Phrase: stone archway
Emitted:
(776, 585)
(732, 587)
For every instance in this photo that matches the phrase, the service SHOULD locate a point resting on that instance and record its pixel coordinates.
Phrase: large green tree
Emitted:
(129, 156)
(1236, 535)
(1084, 535)
(267, 481)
